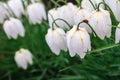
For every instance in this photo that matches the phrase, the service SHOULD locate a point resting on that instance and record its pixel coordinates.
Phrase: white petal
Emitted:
(62, 39)
(56, 40)
(117, 34)
(20, 60)
(9, 29)
(73, 41)
(28, 56)
(86, 40)
(82, 55)
(51, 41)
(19, 26)
(77, 43)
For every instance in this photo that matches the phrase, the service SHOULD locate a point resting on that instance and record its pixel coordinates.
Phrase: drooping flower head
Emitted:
(67, 13)
(23, 57)
(13, 27)
(54, 14)
(56, 40)
(36, 13)
(100, 21)
(78, 41)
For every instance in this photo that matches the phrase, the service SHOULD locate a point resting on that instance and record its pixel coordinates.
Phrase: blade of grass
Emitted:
(104, 48)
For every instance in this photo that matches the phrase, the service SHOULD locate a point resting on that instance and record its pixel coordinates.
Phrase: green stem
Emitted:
(64, 1)
(92, 5)
(53, 20)
(115, 26)
(104, 2)
(10, 12)
(25, 4)
(92, 29)
(88, 25)
(104, 48)
(61, 20)
(79, 24)
(64, 69)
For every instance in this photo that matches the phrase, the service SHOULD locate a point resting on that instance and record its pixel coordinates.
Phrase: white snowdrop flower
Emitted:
(56, 40)
(101, 23)
(3, 12)
(81, 15)
(23, 57)
(16, 7)
(13, 27)
(117, 34)
(115, 6)
(67, 13)
(88, 5)
(54, 14)
(36, 13)
(78, 41)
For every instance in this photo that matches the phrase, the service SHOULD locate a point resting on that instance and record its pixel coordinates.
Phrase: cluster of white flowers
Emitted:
(93, 16)
(65, 12)
(12, 11)
(70, 26)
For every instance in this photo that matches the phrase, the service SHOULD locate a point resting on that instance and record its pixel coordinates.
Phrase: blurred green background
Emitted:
(98, 65)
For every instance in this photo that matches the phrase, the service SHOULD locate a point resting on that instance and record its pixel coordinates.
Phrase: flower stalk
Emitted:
(87, 22)
(61, 20)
